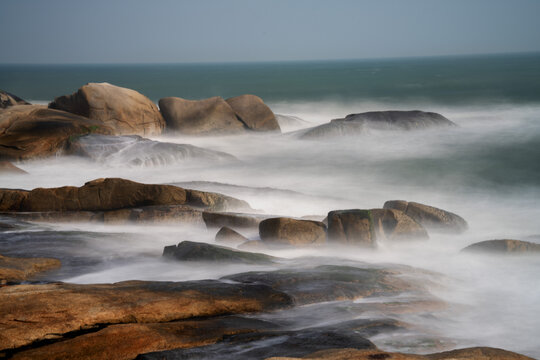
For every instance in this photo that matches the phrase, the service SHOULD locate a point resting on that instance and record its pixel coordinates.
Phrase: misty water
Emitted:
(487, 170)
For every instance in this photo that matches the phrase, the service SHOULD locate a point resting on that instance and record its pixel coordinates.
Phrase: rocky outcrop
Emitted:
(111, 194)
(126, 111)
(7, 100)
(33, 131)
(287, 231)
(356, 124)
(228, 235)
(199, 117)
(253, 113)
(8, 168)
(21, 269)
(196, 251)
(505, 246)
(432, 218)
(351, 227)
(394, 224)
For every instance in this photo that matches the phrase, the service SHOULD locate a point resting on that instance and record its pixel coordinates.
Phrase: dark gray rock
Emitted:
(195, 251)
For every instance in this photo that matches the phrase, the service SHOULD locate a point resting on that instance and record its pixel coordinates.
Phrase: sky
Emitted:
(177, 31)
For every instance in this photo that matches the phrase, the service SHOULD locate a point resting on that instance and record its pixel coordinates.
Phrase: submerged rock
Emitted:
(505, 246)
(7, 100)
(392, 224)
(196, 251)
(253, 113)
(126, 111)
(33, 131)
(16, 269)
(8, 168)
(291, 123)
(432, 218)
(287, 231)
(351, 227)
(228, 235)
(356, 124)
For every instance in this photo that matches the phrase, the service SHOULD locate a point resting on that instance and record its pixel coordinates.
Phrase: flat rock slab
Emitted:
(15, 269)
(32, 313)
(288, 231)
(196, 251)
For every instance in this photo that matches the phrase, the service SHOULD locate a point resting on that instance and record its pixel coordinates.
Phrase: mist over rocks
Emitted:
(392, 224)
(126, 111)
(7, 100)
(254, 113)
(228, 235)
(503, 247)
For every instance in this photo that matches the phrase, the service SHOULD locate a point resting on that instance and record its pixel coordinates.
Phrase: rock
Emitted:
(287, 231)
(137, 151)
(356, 124)
(253, 245)
(8, 168)
(31, 313)
(232, 220)
(195, 251)
(199, 117)
(505, 246)
(254, 113)
(432, 218)
(228, 235)
(351, 227)
(33, 131)
(124, 110)
(394, 224)
(291, 123)
(22, 269)
(111, 194)
(7, 100)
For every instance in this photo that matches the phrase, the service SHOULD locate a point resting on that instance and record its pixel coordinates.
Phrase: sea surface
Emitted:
(487, 170)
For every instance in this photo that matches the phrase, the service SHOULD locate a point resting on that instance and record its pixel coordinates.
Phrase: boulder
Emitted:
(126, 111)
(505, 246)
(8, 168)
(22, 269)
(199, 117)
(34, 313)
(357, 124)
(195, 251)
(253, 113)
(33, 131)
(291, 123)
(432, 218)
(228, 235)
(7, 100)
(394, 224)
(287, 231)
(351, 227)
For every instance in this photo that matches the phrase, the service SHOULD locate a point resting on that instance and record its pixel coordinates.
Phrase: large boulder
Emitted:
(287, 231)
(126, 111)
(199, 117)
(394, 224)
(21, 269)
(351, 227)
(356, 124)
(432, 218)
(254, 113)
(236, 221)
(7, 99)
(33, 131)
(196, 251)
(504, 246)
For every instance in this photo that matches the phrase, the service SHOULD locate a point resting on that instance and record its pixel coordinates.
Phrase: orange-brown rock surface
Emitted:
(19, 269)
(288, 231)
(7, 100)
(392, 224)
(254, 113)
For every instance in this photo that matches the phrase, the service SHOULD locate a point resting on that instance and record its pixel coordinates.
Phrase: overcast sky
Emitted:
(137, 31)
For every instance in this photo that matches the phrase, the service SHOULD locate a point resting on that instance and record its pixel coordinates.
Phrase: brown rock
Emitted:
(7, 100)
(155, 214)
(394, 224)
(287, 231)
(432, 218)
(33, 131)
(8, 168)
(21, 269)
(198, 117)
(32, 313)
(254, 113)
(126, 111)
(352, 227)
(505, 246)
(228, 235)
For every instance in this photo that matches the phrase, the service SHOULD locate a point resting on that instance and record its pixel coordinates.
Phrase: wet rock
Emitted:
(394, 224)
(200, 117)
(126, 111)
(195, 251)
(253, 113)
(505, 246)
(236, 221)
(7, 100)
(291, 123)
(33, 131)
(351, 227)
(228, 235)
(31, 313)
(253, 245)
(16, 269)
(8, 168)
(287, 231)
(432, 218)
(137, 151)
(357, 124)
(153, 214)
